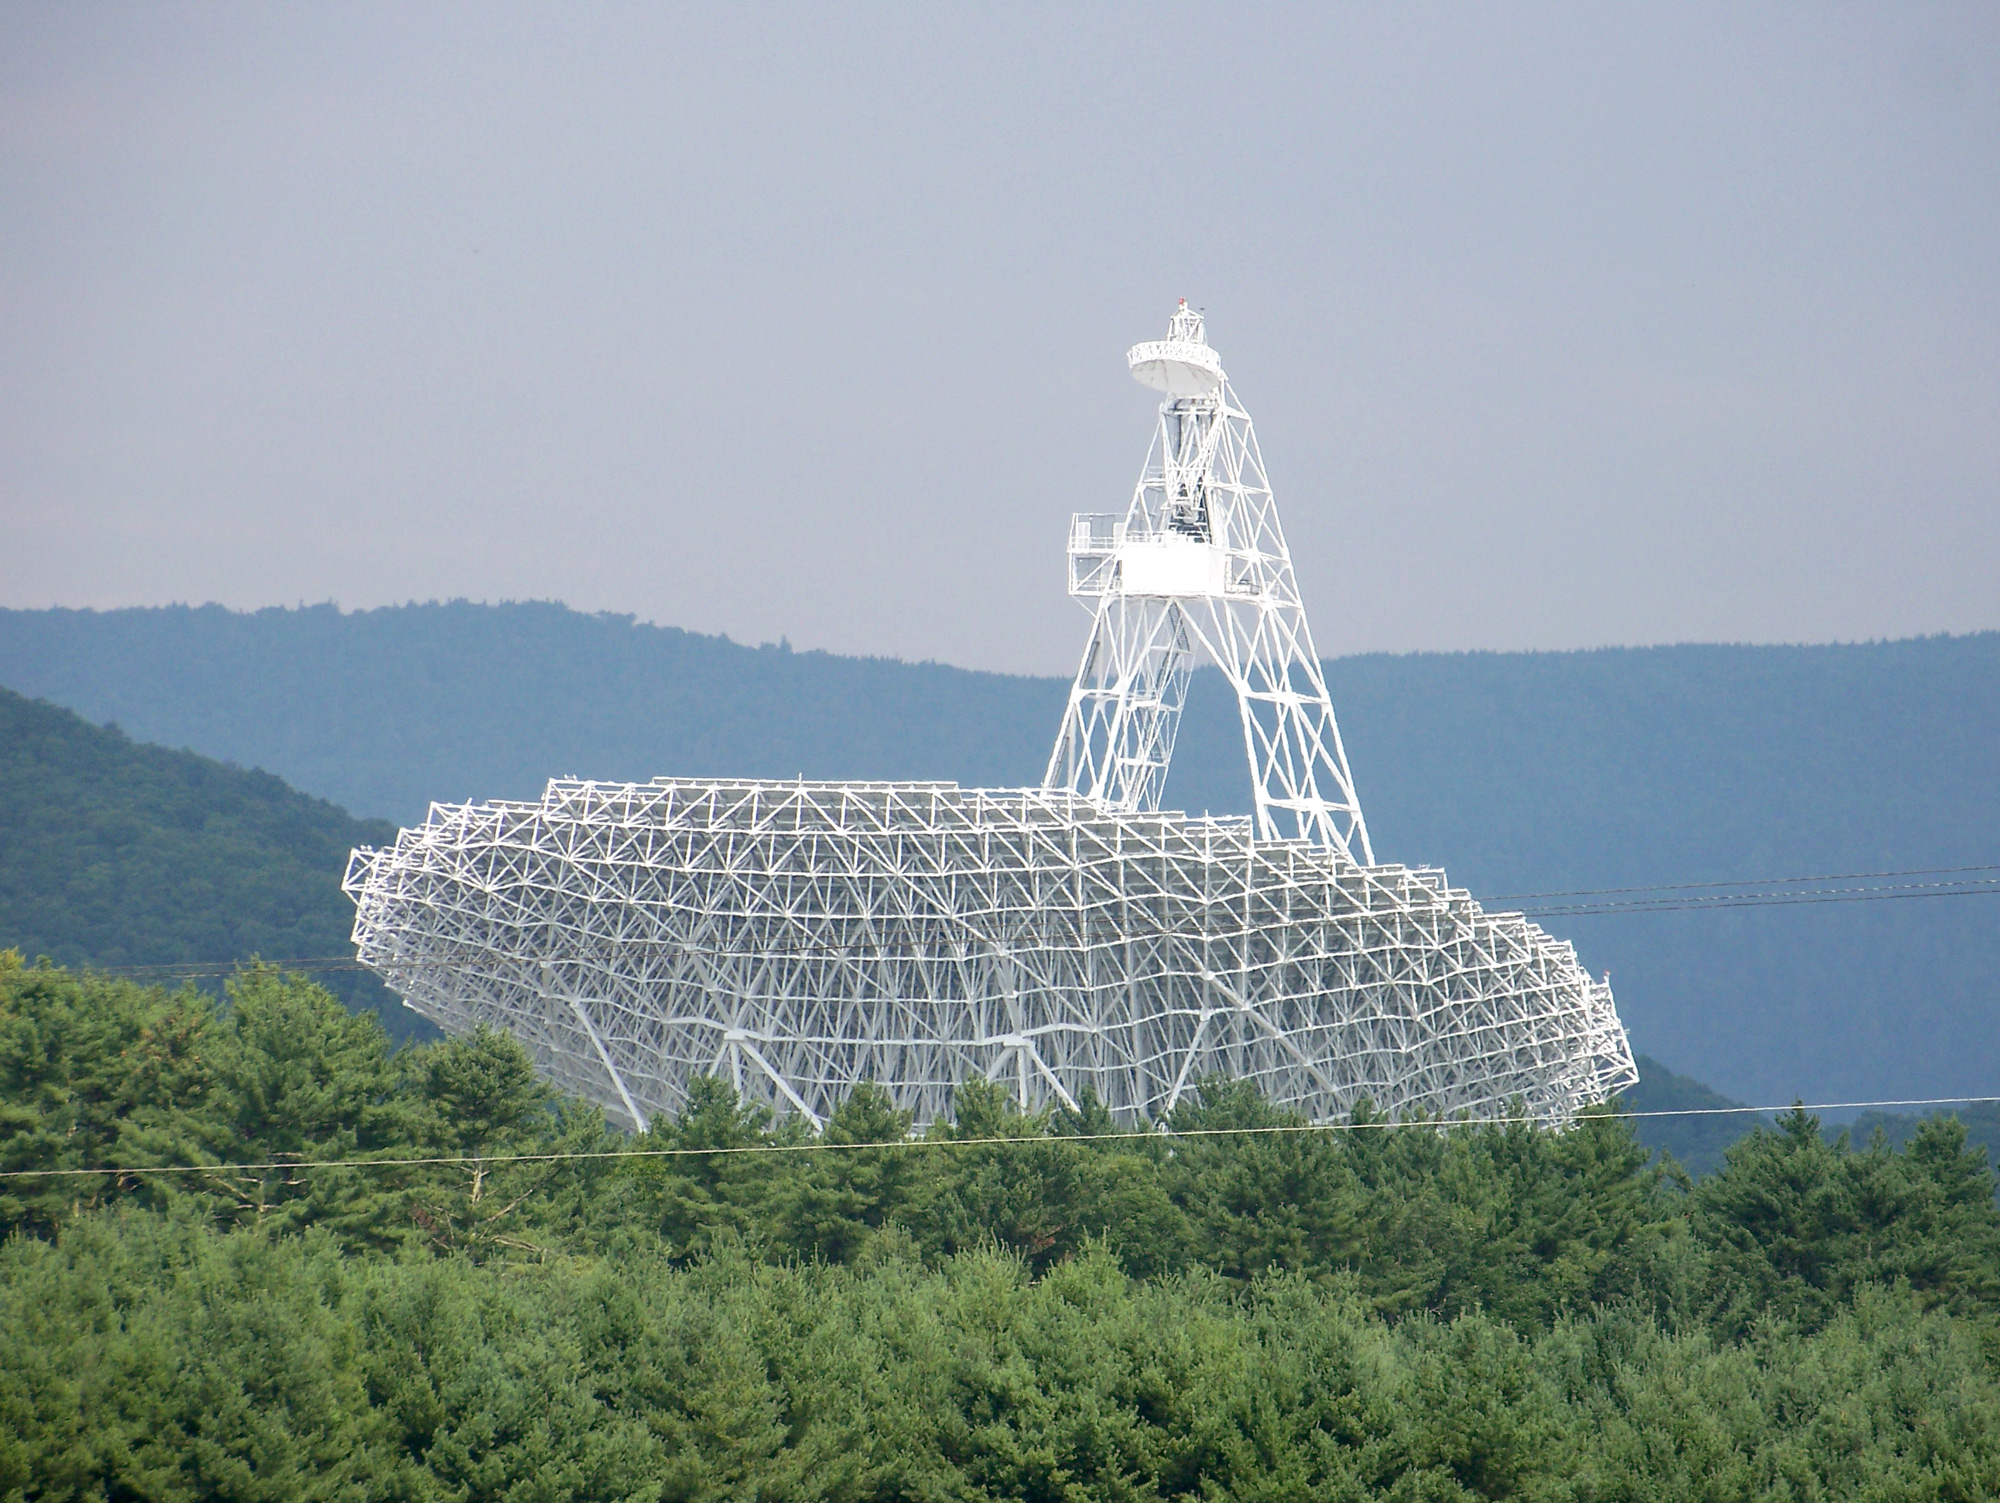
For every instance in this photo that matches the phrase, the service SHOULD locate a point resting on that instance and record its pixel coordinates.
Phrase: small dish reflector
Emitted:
(1178, 367)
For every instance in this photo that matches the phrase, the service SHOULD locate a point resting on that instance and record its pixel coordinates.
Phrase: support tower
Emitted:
(1198, 561)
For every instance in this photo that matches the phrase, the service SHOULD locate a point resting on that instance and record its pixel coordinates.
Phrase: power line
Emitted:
(1597, 892)
(318, 965)
(1686, 897)
(1972, 888)
(174, 970)
(820, 1145)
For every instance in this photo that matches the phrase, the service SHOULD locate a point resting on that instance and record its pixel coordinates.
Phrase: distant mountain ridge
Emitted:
(383, 711)
(1518, 772)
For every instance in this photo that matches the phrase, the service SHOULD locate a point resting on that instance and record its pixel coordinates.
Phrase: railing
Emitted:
(1181, 351)
(1097, 540)
(1096, 531)
(1094, 537)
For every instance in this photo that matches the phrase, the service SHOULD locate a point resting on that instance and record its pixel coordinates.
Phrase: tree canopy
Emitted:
(728, 1306)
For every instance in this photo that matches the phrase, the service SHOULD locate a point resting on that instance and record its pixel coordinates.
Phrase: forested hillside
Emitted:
(744, 1311)
(1518, 773)
(114, 853)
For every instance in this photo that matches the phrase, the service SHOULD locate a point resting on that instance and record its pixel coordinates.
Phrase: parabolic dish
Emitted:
(798, 938)
(1178, 367)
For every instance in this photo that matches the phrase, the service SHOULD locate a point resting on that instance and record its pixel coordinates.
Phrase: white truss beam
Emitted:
(1199, 560)
(916, 934)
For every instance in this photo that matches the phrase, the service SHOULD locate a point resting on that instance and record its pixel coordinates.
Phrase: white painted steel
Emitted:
(1203, 488)
(1182, 364)
(797, 938)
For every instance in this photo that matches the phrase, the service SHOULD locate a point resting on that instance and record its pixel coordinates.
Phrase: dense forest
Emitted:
(727, 1307)
(1516, 772)
(118, 854)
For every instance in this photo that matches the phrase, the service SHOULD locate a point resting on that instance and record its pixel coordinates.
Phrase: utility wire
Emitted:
(1598, 892)
(1682, 897)
(1970, 888)
(1981, 887)
(820, 1145)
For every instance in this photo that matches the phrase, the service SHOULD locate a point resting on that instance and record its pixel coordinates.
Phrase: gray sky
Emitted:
(1561, 326)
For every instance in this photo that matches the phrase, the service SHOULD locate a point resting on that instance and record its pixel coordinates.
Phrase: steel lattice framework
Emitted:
(801, 937)
(1199, 560)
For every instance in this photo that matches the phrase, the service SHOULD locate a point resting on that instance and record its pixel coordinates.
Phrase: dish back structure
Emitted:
(798, 938)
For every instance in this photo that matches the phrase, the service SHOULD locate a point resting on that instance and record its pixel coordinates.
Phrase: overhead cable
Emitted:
(821, 1145)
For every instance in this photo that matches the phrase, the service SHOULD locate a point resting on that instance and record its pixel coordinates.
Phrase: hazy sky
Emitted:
(1561, 326)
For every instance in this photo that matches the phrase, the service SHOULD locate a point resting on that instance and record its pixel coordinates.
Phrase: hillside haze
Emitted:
(384, 711)
(1519, 773)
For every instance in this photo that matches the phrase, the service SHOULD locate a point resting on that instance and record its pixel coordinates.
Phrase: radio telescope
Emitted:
(800, 937)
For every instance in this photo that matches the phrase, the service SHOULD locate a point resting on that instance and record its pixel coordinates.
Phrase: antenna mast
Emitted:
(1198, 561)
